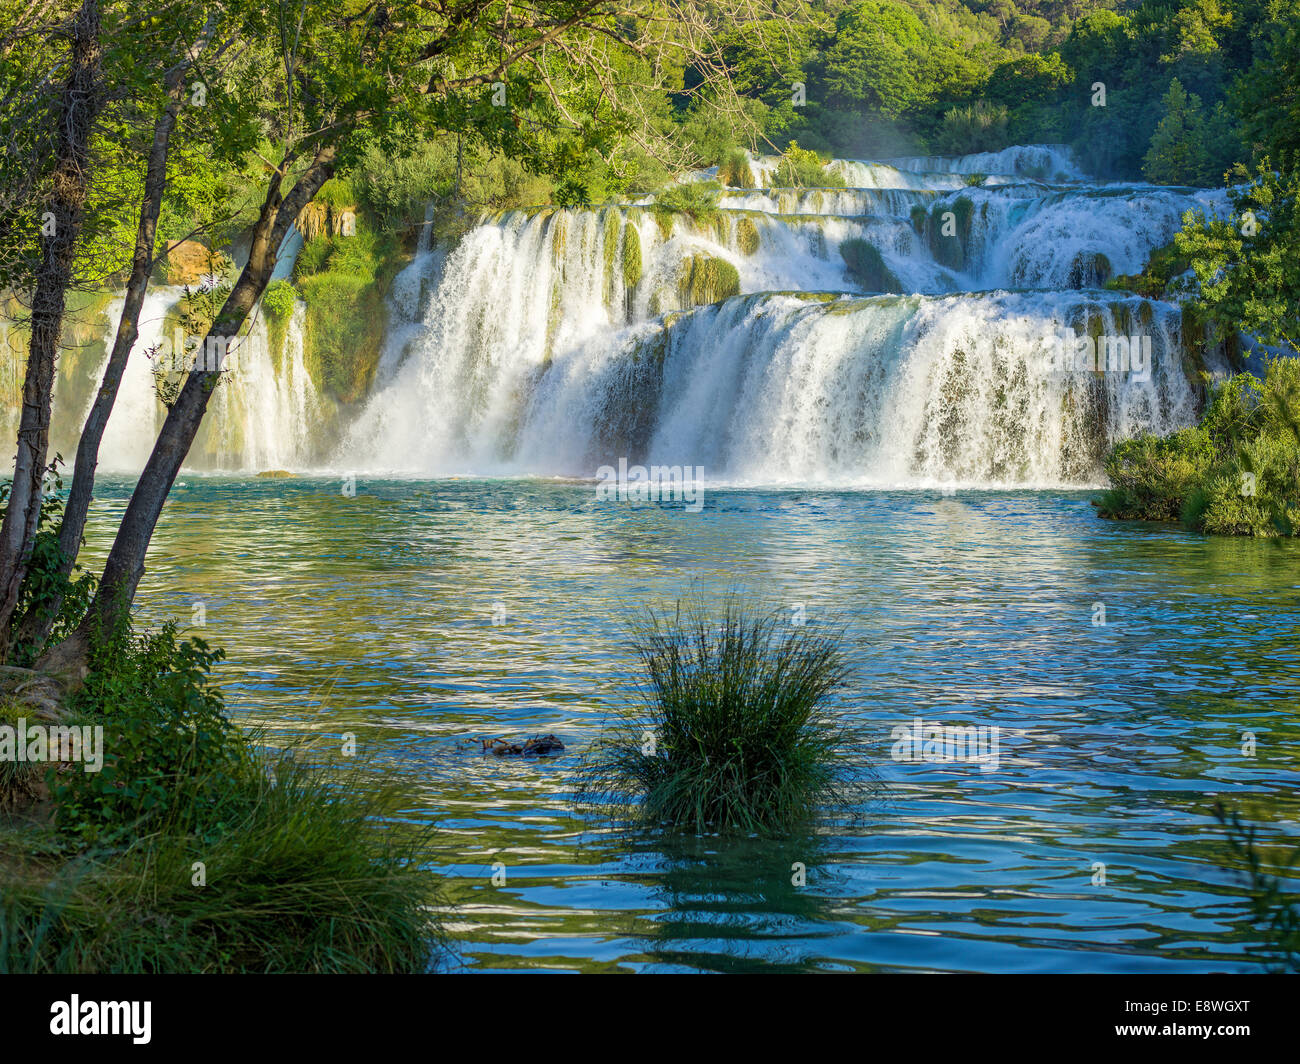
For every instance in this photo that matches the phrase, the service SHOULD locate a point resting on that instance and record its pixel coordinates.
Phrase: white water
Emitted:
(531, 357)
(260, 417)
(524, 351)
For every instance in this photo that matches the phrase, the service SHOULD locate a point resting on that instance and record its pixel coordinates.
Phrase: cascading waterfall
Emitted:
(263, 414)
(541, 351)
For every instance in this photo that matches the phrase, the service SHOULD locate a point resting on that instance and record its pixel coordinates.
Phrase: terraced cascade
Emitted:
(904, 330)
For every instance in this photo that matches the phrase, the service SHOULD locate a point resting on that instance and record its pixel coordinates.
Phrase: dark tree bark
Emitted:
(39, 619)
(125, 565)
(70, 187)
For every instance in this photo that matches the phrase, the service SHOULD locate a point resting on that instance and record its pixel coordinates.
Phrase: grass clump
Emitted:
(747, 236)
(194, 849)
(698, 200)
(729, 731)
(734, 171)
(1235, 474)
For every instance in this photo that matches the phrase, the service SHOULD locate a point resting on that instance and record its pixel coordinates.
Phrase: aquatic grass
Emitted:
(729, 731)
(1272, 906)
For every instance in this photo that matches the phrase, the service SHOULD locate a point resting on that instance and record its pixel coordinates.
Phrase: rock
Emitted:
(275, 474)
(188, 262)
(538, 746)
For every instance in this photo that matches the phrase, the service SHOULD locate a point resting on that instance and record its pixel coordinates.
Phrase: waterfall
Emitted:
(264, 413)
(996, 360)
(936, 320)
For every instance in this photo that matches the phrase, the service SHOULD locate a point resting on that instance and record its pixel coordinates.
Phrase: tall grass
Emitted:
(195, 849)
(1275, 910)
(730, 729)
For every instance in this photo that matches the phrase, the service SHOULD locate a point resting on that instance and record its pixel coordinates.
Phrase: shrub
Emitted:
(44, 582)
(193, 850)
(303, 877)
(169, 748)
(867, 266)
(1152, 476)
(1237, 473)
(730, 730)
(801, 168)
(734, 171)
(706, 279)
(279, 298)
(697, 199)
(977, 127)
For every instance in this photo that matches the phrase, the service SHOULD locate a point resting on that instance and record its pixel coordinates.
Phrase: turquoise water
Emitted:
(374, 614)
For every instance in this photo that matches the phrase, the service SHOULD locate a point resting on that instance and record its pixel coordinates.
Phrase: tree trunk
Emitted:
(71, 183)
(125, 566)
(39, 619)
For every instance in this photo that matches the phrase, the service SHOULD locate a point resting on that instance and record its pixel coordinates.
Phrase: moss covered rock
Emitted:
(705, 279)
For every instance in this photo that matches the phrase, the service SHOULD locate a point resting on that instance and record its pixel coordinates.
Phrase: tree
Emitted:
(80, 100)
(886, 60)
(1178, 154)
(487, 69)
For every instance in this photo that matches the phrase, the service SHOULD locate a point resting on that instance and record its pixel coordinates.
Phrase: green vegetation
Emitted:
(195, 850)
(343, 280)
(1271, 905)
(698, 200)
(735, 172)
(800, 168)
(731, 731)
(747, 237)
(1235, 474)
(867, 266)
(706, 279)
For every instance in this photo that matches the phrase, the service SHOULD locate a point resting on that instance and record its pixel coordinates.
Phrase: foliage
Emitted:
(802, 168)
(1248, 265)
(1236, 473)
(730, 731)
(170, 752)
(1270, 904)
(867, 266)
(279, 298)
(44, 580)
(974, 128)
(306, 872)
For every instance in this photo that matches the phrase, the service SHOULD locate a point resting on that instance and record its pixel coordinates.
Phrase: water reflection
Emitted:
(418, 614)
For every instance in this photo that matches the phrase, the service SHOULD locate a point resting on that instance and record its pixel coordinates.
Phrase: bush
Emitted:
(867, 266)
(1151, 477)
(279, 298)
(800, 168)
(705, 279)
(1237, 473)
(303, 877)
(44, 582)
(734, 171)
(978, 127)
(697, 199)
(169, 748)
(730, 732)
(193, 850)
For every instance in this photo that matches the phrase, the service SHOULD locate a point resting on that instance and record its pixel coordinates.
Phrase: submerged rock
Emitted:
(537, 746)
